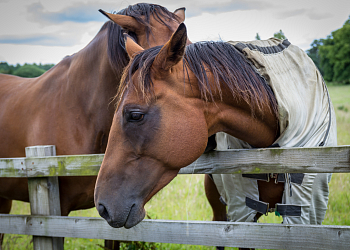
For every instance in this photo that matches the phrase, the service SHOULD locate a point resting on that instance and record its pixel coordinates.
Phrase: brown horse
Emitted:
(157, 112)
(71, 105)
(171, 99)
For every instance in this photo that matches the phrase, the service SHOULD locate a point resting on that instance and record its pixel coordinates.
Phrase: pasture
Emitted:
(184, 198)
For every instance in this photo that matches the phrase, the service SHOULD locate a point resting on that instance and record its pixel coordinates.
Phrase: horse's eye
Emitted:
(136, 116)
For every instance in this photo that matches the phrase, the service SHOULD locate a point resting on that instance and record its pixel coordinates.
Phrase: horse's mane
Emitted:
(142, 12)
(223, 60)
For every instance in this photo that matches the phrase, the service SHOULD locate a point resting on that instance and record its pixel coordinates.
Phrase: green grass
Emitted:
(340, 96)
(184, 198)
(338, 212)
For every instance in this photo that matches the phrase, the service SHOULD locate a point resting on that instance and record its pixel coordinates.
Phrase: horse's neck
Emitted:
(235, 117)
(90, 76)
(81, 89)
(84, 81)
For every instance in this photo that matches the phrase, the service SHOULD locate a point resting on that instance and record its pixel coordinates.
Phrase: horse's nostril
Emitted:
(103, 211)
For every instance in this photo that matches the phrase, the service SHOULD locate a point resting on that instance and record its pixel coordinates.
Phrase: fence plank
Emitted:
(270, 160)
(273, 160)
(44, 198)
(13, 167)
(72, 165)
(231, 234)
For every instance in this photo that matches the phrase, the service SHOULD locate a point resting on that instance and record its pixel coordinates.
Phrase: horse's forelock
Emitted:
(141, 65)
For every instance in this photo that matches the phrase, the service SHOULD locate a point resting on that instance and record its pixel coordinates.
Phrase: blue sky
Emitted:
(46, 31)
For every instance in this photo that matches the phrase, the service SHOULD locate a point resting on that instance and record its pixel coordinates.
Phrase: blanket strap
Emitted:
(279, 209)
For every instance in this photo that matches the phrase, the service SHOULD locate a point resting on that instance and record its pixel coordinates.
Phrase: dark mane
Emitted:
(230, 69)
(142, 12)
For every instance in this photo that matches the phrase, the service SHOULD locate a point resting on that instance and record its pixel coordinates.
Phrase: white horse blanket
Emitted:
(306, 119)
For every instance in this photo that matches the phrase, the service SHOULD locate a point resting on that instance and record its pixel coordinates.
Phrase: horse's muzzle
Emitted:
(128, 217)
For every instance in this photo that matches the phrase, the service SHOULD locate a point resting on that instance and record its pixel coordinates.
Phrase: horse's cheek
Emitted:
(185, 140)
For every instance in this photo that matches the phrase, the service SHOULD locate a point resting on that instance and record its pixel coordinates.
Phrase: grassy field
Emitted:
(184, 198)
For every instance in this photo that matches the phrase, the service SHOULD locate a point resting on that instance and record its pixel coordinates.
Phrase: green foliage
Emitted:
(27, 70)
(314, 53)
(279, 35)
(45, 66)
(8, 69)
(257, 37)
(139, 245)
(332, 55)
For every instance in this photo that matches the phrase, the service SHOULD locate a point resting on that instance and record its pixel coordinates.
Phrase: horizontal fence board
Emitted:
(269, 160)
(72, 165)
(273, 160)
(248, 235)
(13, 167)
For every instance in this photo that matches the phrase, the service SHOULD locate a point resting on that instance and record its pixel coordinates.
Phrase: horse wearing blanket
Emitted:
(173, 97)
(306, 119)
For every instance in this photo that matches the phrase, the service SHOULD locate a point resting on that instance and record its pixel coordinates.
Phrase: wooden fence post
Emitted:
(44, 198)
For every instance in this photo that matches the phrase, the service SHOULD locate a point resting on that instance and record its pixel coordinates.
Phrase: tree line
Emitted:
(26, 70)
(332, 55)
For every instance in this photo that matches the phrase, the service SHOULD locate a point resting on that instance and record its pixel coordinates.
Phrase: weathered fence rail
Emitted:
(268, 236)
(233, 161)
(245, 235)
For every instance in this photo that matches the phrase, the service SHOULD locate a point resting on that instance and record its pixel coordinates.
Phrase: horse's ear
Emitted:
(126, 22)
(131, 46)
(180, 12)
(173, 51)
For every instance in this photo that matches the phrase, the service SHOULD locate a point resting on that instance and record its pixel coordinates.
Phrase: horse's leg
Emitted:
(5, 208)
(213, 196)
(112, 244)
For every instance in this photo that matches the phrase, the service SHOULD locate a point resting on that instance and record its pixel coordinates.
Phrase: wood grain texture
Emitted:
(44, 198)
(233, 234)
(13, 167)
(233, 161)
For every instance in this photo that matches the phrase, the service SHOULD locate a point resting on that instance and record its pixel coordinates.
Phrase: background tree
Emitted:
(314, 53)
(28, 70)
(257, 37)
(7, 69)
(332, 55)
(279, 35)
(339, 53)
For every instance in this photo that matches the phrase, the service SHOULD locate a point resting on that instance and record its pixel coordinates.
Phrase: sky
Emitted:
(45, 31)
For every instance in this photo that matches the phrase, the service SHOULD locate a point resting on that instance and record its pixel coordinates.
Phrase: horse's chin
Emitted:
(135, 217)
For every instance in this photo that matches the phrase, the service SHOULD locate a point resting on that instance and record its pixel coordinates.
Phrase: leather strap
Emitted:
(279, 209)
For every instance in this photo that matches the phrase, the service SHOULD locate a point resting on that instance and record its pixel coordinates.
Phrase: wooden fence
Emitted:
(42, 171)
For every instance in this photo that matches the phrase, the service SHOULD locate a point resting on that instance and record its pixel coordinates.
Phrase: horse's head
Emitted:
(158, 128)
(152, 24)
